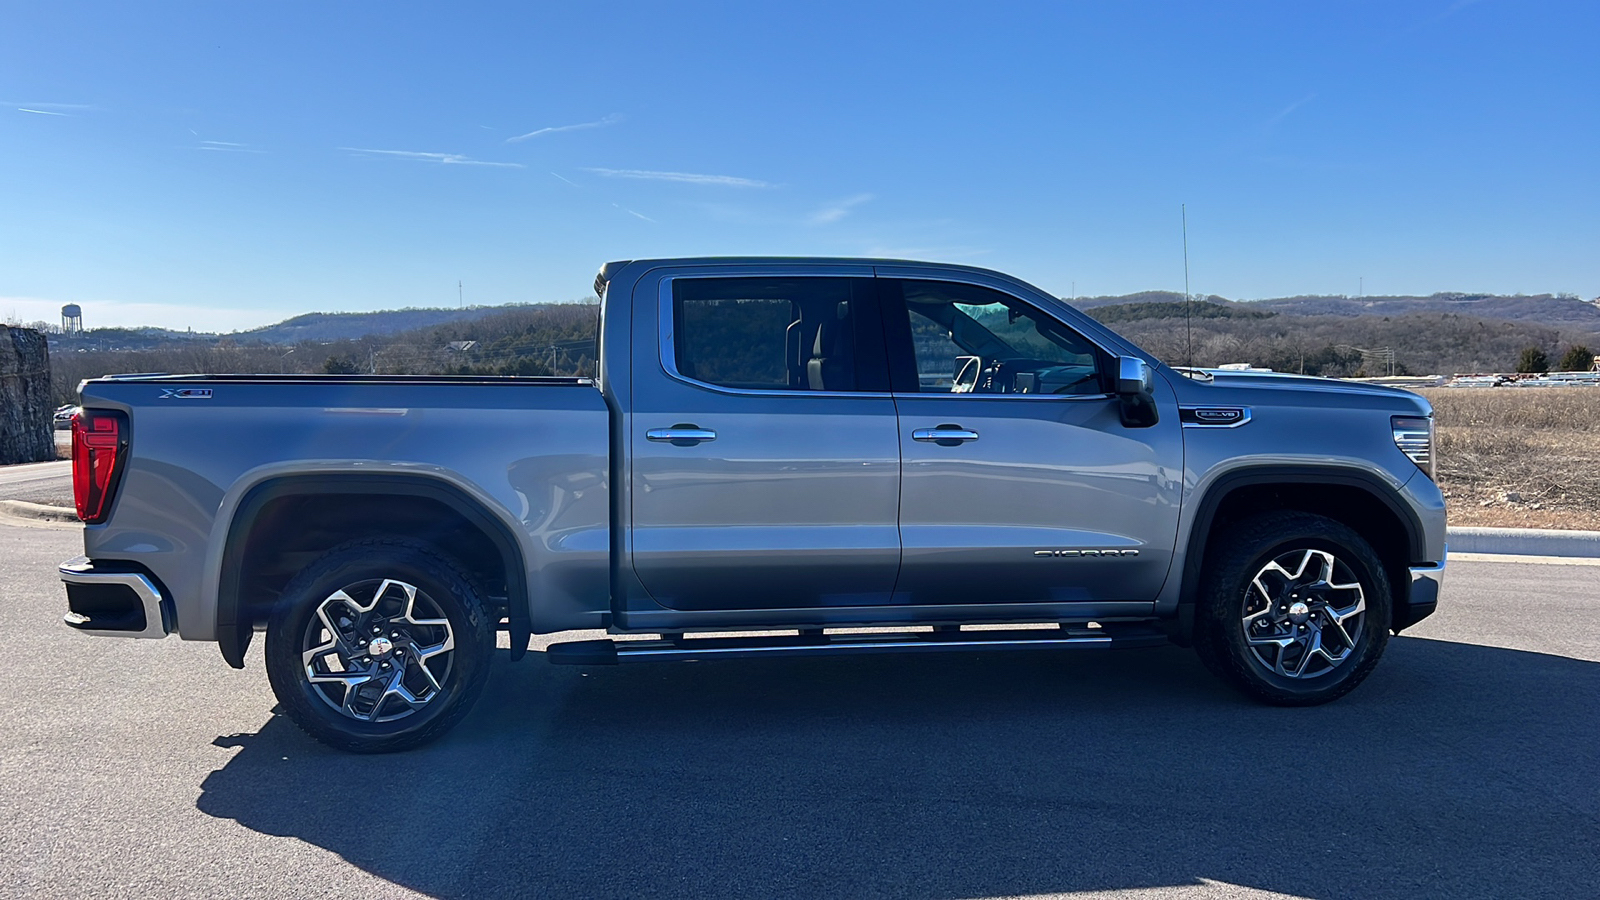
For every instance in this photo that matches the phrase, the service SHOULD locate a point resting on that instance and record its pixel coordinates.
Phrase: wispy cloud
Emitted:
(1284, 113)
(447, 159)
(681, 177)
(633, 213)
(838, 209)
(49, 109)
(554, 129)
(227, 147)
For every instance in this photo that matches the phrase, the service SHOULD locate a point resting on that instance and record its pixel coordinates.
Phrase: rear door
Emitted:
(1020, 482)
(765, 460)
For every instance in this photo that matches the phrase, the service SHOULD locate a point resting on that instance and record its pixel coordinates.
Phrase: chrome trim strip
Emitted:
(680, 434)
(156, 623)
(624, 652)
(1243, 421)
(944, 434)
(1433, 573)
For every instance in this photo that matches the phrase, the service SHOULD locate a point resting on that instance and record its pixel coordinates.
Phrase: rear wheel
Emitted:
(378, 646)
(1293, 610)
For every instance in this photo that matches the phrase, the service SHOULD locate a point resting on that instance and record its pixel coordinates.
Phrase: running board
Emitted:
(607, 652)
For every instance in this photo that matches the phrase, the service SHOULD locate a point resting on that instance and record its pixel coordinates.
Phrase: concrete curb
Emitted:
(22, 509)
(1524, 542)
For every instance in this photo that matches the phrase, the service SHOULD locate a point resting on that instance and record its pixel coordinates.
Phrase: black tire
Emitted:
(1228, 596)
(443, 593)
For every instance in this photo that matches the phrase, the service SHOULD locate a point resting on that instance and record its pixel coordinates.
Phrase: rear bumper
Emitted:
(1422, 595)
(111, 599)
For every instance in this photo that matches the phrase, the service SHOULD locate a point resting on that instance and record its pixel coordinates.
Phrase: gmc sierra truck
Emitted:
(775, 457)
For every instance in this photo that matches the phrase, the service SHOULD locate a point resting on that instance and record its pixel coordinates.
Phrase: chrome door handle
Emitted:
(949, 435)
(681, 435)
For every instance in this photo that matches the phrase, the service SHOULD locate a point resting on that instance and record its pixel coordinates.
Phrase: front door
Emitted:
(1020, 482)
(765, 464)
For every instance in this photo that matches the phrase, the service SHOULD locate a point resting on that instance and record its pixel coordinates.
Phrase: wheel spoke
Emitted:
(369, 648)
(1287, 607)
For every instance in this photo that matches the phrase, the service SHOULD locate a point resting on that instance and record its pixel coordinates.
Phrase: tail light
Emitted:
(99, 446)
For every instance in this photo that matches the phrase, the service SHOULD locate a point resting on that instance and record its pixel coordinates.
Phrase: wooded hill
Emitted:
(1442, 334)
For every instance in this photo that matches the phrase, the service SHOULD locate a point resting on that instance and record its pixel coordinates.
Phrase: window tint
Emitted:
(968, 339)
(777, 334)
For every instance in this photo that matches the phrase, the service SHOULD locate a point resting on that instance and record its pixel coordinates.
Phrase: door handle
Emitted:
(945, 435)
(681, 435)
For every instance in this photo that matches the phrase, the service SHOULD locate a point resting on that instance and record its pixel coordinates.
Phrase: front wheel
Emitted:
(378, 646)
(1293, 609)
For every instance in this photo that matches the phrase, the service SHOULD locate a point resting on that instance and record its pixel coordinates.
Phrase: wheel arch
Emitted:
(1357, 498)
(417, 506)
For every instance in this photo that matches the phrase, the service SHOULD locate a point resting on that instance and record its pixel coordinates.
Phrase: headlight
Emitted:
(1414, 436)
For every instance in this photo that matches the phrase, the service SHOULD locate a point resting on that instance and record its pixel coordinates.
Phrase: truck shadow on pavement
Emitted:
(1457, 770)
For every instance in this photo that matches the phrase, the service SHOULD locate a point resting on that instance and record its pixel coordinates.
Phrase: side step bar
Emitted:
(607, 652)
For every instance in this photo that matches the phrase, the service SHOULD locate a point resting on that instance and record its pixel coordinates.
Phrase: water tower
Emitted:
(71, 319)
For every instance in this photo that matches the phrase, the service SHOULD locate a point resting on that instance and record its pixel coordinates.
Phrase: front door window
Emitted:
(969, 339)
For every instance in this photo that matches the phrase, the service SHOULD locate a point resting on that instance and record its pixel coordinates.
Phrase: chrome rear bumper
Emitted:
(111, 600)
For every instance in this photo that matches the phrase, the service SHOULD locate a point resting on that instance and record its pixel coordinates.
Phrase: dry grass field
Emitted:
(1519, 457)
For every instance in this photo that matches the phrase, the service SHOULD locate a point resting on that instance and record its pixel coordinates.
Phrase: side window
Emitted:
(778, 334)
(972, 340)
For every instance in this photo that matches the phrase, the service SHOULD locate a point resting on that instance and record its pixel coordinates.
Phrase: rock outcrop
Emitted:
(26, 426)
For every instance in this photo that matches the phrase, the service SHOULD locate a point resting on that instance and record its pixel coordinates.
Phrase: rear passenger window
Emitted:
(778, 334)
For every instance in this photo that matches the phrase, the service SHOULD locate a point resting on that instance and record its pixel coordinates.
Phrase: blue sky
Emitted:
(225, 165)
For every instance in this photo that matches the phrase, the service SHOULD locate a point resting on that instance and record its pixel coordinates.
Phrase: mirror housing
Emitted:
(1135, 389)
(1134, 376)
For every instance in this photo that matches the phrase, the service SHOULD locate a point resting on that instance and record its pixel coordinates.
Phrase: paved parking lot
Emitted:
(1465, 767)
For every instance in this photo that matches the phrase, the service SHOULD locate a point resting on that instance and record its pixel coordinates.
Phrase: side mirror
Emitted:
(1136, 384)
(1134, 376)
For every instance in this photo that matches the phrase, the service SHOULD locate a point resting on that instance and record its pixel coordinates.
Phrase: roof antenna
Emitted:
(1188, 338)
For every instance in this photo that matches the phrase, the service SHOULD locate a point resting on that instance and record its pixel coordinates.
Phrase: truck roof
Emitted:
(609, 270)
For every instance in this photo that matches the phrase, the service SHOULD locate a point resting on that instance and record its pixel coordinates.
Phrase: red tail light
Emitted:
(99, 444)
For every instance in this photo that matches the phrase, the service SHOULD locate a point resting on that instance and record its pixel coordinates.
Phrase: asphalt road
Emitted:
(1465, 767)
(49, 483)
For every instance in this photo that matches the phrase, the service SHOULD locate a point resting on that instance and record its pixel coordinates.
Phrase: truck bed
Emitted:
(532, 455)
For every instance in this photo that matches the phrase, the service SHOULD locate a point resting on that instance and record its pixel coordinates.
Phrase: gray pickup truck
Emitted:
(776, 457)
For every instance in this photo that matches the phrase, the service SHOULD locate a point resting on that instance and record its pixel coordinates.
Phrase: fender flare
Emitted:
(235, 631)
(1227, 483)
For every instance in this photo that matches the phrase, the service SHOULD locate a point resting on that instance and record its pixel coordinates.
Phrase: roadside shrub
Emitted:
(1578, 358)
(1533, 360)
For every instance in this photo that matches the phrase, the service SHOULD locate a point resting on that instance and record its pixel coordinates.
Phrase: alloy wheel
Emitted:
(1304, 613)
(378, 650)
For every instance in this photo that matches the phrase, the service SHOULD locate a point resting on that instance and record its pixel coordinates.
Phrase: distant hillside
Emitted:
(1176, 309)
(1440, 334)
(1087, 303)
(1545, 309)
(352, 326)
